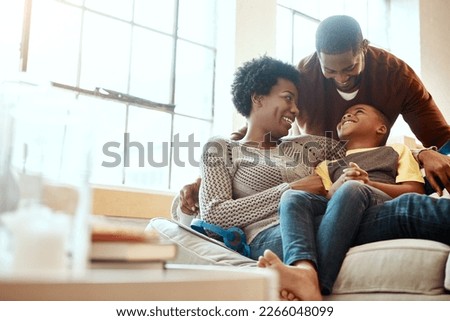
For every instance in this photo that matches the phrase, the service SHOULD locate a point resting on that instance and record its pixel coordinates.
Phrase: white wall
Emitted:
(404, 31)
(435, 51)
(245, 29)
(225, 64)
(404, 42)
(255, 34)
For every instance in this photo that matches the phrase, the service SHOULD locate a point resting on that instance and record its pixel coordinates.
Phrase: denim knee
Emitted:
(292, 199)
(358, 189)
(352, 185)
(292, 195)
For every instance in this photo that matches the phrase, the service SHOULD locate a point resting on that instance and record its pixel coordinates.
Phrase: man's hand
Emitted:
(189, 198)
(312, 184)
(239, 134)
(437, 169)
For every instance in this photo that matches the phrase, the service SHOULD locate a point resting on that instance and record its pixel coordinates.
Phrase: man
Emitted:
(345, 71)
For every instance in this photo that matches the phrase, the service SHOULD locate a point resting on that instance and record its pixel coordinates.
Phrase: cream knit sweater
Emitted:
(242, 185)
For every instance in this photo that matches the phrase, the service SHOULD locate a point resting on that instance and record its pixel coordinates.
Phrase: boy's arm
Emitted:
(354, 172)
(330, 187)
(409, 178)
(395, 190)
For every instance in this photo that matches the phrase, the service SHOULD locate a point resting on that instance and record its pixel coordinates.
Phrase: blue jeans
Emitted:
(407, 216)
(340, 226)
(347, 223)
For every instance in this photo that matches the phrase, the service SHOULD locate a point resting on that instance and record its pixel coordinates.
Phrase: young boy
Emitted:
(391, 169)
(370, 174)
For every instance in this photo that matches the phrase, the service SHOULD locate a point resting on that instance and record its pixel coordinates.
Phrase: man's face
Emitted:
(344, 69)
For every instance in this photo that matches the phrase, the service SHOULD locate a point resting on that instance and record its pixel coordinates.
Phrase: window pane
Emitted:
(155, 14)
(304, 37)
(284, 34)
(151, 69)
(51, 136)
(308, 7)
(194, 80)
(358, 10)
(377, 33)
(149, 147)
(54, 41)
(77, 2)
(107, 145)
(196, 21)
(105, 56)
(39, 126)
(78, 146)
(330, 8)
(10, 19)
(193, 134)
(118, 8)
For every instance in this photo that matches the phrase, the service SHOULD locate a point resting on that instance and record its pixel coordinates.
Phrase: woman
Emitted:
(243, 181)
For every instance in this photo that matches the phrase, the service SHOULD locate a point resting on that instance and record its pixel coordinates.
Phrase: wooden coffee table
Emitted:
(175, 282)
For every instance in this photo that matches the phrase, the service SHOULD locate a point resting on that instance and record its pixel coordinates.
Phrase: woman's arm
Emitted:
(217, 205)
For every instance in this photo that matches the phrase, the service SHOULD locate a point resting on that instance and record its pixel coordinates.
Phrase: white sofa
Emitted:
(402, 269)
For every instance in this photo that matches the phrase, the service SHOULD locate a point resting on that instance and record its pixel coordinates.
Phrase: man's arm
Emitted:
(239, 134)
(189, 198)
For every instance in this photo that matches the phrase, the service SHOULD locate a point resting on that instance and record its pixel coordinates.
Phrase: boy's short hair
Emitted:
(385, 121)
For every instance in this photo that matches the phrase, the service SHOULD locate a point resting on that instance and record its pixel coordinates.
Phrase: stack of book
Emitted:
(128, 247)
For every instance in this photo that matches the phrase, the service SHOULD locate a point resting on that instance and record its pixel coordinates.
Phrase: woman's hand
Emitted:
(312, 184)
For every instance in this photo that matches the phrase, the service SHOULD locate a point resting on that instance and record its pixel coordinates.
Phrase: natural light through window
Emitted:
(145, 70)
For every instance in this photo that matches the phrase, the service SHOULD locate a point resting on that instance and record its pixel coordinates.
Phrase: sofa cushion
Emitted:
(402, 265)
(447, 275)
(195, 248)
(396, 266)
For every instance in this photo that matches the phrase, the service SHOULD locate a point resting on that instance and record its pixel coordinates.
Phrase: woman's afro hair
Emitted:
(258, 76)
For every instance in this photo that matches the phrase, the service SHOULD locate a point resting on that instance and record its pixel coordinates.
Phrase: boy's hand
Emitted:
(354, 172)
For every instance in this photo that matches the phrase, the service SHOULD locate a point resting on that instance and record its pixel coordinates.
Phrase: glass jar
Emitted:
(45, 166)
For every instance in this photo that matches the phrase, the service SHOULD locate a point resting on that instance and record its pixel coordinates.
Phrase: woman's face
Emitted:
(344, 69)
(277, 111)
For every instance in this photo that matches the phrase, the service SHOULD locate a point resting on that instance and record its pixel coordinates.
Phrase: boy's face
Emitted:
(361, 120)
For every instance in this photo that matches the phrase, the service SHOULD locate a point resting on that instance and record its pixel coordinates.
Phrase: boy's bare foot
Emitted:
(297, 282)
